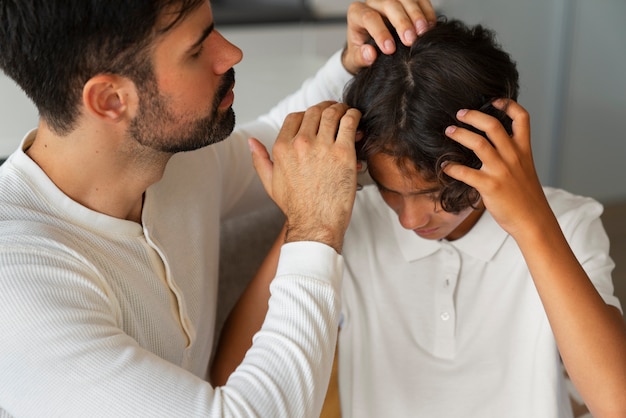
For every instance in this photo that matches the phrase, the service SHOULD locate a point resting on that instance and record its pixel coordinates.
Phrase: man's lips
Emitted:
(228, 99)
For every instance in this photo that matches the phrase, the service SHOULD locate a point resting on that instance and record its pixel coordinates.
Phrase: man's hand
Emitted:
(313, 176)
(410, 18)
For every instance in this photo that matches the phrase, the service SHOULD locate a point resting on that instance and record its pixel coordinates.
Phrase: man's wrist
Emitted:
(319, 233)
(310, 259)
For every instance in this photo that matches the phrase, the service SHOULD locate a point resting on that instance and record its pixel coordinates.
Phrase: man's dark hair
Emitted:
(50, 48)
(409, 98)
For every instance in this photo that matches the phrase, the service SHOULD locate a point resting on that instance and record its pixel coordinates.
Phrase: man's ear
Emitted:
(109, 97)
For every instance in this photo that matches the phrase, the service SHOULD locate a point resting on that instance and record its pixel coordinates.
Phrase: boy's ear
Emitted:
(109, 97)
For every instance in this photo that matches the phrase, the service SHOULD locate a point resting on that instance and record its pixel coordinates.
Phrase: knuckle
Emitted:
(300, 140)
(294, 116)
(330, 113)
(481, 144)
(351, 119)
(354, 7)
(492, 124)
(278, 147)
(524, 116)
(314, 111)
(370, 16)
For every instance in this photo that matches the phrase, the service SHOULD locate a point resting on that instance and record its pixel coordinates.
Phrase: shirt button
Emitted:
(445, 316)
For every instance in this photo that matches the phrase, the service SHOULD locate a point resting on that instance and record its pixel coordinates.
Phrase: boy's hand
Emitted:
(410, 18)
(507, 181)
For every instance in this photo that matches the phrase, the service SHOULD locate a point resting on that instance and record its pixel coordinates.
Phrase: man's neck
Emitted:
(101, 172)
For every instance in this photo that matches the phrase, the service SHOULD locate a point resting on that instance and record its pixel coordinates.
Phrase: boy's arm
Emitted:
(246, 318)
(591, 335)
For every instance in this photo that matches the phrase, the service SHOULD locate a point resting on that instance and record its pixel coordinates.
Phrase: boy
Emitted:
(467, 282)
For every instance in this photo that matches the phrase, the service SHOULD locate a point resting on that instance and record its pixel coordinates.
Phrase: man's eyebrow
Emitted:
(205, 33)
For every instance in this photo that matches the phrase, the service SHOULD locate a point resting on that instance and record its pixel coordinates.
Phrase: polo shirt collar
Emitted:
(482, 242)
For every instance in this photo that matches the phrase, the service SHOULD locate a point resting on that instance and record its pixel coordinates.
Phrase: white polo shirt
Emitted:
(454, 329)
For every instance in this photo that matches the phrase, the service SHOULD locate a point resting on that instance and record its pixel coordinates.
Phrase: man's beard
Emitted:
(152, 127)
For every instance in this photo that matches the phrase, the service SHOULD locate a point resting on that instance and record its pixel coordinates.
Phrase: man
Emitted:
(466, 282)
(109, 234)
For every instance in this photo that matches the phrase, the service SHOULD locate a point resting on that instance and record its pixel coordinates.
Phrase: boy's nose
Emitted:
(417, 214)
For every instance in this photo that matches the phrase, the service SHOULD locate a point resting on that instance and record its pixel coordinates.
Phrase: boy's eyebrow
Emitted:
(205, 33)
(418, 192)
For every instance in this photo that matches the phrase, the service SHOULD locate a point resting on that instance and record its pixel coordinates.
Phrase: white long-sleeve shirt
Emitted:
(105, 317)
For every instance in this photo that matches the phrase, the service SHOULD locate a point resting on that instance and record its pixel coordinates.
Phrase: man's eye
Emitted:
(198, 52)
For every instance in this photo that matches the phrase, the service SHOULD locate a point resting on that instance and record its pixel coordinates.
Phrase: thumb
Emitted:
(358, 56)
(262, 163)
(366, 55)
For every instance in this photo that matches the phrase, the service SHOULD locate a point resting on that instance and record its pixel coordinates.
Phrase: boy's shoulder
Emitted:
(572, 210)
(563, 202)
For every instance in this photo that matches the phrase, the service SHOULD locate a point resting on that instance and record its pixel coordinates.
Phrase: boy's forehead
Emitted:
(399, 175)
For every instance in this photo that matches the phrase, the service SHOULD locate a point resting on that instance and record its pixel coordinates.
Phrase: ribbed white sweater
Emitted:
(105, 317)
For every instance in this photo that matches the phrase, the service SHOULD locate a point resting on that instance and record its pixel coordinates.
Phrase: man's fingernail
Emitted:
(421, 26)
(410, 36)
(367, 55)
(389, 45)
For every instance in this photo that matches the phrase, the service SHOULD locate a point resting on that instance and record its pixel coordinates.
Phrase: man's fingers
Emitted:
(330, 122)
(410, 18)
(366, 20)
(262, 163)
(291, 126)
(347, 133)
(428, 13)
(370, 23)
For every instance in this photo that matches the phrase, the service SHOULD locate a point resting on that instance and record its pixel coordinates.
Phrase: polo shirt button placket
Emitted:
(445, 345)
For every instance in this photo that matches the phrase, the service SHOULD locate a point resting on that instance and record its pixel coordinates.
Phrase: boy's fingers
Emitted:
(520, 118)
(460, 172)
(477, 143)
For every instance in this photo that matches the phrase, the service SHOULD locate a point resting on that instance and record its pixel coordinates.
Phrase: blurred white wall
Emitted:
(571, 55)
(17, 115)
